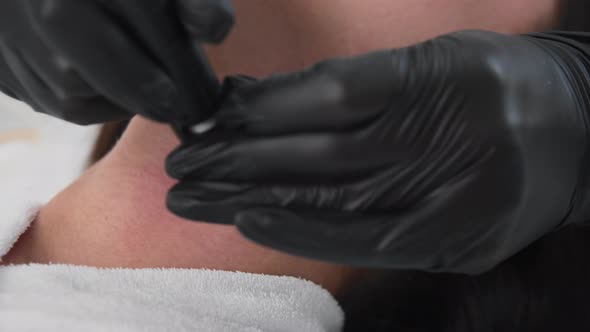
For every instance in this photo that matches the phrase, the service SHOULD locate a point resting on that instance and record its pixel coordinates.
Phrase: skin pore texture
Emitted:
(115, 214)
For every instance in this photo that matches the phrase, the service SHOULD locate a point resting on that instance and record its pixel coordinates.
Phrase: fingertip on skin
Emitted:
(175, 202)
(172, 164)
(187, 206)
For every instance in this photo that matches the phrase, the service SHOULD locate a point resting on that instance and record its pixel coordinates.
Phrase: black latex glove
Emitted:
(91, 61)
(450, 155)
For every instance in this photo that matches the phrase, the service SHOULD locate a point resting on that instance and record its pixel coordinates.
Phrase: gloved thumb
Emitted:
(207, 20)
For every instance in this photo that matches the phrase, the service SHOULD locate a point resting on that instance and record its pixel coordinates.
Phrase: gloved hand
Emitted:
(92, 61)
(450, 155)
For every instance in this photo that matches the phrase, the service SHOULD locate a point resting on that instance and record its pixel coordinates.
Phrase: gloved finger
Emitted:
(157, 29)
(313, 158)
(107, 57)
(206, 202)
(218, 201)
(60, 77)
(207, 20)
(335, 95)
(41, 97)
(403, 240)
(340, 238)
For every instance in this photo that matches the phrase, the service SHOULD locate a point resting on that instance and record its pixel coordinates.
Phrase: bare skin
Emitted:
(115, 215)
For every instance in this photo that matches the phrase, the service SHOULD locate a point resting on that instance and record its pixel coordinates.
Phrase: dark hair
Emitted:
(546, 287)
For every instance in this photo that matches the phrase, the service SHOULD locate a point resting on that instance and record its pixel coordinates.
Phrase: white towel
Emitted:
(75, 298)
(33, 170)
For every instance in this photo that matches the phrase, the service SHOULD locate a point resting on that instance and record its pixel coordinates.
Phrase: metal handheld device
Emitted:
(211, 86)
